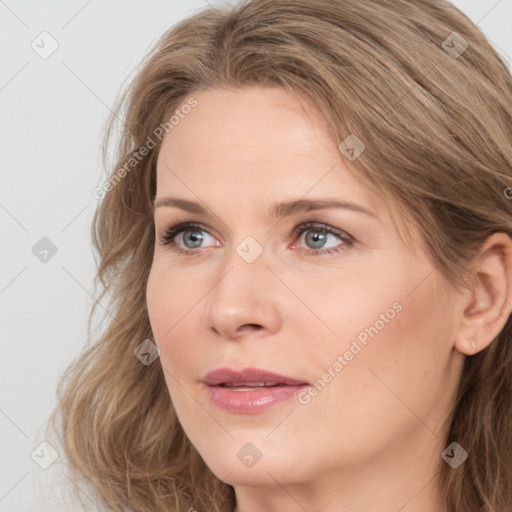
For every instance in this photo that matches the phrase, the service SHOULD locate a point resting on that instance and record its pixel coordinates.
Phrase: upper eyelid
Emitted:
(195, 225)
(182, 226)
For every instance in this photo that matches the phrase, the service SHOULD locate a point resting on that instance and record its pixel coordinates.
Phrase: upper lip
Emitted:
(229, 376)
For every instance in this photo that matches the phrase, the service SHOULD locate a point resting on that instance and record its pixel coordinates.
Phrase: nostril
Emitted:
(251, 326)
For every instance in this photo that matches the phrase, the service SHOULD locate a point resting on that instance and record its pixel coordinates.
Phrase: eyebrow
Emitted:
(278, 210)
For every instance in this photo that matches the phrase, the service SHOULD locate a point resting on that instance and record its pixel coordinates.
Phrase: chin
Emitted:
(257, 464)
(257, 476)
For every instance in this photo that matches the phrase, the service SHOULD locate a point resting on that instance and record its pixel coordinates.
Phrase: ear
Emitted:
(487, 305)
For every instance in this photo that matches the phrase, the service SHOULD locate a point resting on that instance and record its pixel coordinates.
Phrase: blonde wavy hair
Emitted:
(436, 119)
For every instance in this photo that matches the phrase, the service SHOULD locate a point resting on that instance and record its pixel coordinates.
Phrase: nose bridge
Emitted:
(244, 293)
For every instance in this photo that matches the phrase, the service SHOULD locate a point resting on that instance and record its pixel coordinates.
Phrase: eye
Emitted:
(312, 239)
(186, 237)
(321, 239)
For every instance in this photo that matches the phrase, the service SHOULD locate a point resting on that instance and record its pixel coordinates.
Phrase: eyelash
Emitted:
(175, 229)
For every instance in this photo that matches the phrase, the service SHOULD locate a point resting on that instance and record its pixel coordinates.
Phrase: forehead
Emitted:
(245, 119)
(256, 142)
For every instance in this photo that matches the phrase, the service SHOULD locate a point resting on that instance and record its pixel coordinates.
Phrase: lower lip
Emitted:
(257, 400)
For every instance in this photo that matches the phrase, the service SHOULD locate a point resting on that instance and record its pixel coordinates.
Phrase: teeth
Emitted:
(244, 388)
(249, 385)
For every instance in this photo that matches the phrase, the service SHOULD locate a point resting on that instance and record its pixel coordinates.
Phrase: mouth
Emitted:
(250, 390)
(250, 386)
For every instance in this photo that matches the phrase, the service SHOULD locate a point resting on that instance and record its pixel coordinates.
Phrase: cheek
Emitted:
(169, 300)
(345, 306)
(165, 312)
(163, 308)
(159, 302)
(393, 375)
(173, 309)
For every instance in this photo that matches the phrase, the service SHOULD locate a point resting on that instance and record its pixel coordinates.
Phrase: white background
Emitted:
(52, 114)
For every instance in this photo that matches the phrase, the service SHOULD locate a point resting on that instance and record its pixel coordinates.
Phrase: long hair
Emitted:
(431, 100)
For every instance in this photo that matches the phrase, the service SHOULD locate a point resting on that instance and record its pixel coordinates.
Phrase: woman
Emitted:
(306, 243)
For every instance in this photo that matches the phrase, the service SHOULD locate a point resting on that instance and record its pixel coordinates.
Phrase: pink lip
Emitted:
(278, 388)
(228, 375)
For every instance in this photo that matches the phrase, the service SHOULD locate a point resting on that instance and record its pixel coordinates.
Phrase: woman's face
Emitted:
(292, 271)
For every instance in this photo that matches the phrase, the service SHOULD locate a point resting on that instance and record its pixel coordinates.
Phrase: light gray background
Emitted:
(52, 114)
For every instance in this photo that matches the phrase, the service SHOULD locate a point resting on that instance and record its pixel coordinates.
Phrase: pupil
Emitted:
(315, 239)
(194, 239)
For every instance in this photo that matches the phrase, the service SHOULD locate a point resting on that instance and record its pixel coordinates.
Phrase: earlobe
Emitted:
(487, 305)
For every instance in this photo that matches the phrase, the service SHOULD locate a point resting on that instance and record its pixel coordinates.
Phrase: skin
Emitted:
(372, 438)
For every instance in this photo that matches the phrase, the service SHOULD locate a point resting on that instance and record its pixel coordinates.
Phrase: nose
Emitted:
(244, 301)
